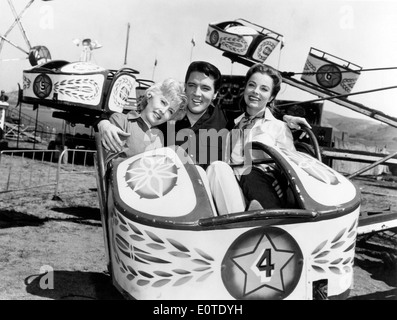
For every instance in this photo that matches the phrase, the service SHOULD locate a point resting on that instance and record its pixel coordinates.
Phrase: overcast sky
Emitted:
(361, 32)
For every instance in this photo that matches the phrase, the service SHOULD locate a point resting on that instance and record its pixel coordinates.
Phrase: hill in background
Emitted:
(44, 115)
(368, 132)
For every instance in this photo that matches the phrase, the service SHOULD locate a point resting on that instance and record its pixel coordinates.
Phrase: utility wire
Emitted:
(336, 96)
(290, 74)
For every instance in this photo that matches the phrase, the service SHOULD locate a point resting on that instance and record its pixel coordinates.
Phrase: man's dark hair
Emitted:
(208, 69)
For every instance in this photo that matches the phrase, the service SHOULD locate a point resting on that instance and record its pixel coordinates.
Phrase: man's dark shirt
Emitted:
(199, 141)
(205, 140)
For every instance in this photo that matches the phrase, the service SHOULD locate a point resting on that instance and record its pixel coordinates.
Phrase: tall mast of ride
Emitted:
(126, 44)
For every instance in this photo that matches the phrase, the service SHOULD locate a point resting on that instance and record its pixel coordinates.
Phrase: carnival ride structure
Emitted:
(78, 110)
(37, 54)
(165, 240)
(163, 236)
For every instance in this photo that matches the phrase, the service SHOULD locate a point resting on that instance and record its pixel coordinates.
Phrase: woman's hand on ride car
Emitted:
(110, 136)
(296, 122)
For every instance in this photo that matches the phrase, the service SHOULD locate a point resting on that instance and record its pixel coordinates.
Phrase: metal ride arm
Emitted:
(102, 185)
(383, 160)
(352, 105)
(324, 94)
(314, 142)
(16, 21)
(101, 171)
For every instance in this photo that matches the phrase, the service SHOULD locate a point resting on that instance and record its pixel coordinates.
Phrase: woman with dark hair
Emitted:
(257, 123)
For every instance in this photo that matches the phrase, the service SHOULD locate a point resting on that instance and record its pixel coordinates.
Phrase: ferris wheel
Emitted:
(36, 55)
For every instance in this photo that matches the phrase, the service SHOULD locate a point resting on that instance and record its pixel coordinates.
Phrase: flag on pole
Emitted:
(193, 42)
(155, 62)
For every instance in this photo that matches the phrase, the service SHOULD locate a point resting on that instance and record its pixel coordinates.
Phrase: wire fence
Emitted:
(28, 169)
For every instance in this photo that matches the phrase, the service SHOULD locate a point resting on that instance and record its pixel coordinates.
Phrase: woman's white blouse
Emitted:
(267, 130)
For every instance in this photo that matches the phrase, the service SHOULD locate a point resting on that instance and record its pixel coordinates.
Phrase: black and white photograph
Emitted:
(198, 154)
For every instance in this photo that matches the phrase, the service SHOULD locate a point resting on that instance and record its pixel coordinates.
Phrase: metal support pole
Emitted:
(17, 19)
(372, 165)
(20, 24)
(126, 44)
(19, 123)
(35, 128)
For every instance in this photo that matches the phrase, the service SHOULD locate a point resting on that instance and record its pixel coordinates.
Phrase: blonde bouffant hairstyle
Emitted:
(173, 91)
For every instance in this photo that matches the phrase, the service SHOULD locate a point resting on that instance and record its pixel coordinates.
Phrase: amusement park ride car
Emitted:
(163, 236)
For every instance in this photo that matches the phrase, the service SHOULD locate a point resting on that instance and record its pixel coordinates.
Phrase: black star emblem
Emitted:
(42, 86)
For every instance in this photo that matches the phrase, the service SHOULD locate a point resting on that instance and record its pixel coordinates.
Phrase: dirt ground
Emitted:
(41, 233)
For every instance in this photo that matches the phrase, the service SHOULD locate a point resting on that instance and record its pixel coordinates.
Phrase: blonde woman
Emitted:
(164, 101)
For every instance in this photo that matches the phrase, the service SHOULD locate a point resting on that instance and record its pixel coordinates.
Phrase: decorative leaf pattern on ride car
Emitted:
(338, 254)
(146, 255)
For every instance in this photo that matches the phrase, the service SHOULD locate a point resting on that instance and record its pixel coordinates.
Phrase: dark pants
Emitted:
(259, 185)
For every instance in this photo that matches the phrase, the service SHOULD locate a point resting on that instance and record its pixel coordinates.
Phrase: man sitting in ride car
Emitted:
(204, 128)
